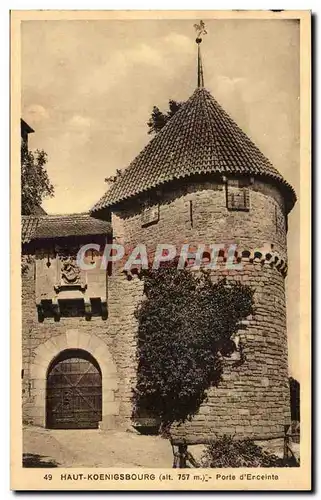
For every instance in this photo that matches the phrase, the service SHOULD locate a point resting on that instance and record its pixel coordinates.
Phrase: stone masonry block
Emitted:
(94, 343)
(83, 340)
(111, 408)
(44, 353)
(110, 383)
(72, 337)
(108, 396)
(61, 342)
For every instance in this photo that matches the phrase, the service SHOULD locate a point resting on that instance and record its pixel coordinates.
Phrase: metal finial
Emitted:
(200, 30)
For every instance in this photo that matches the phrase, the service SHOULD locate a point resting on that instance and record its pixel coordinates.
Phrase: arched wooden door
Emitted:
(74, 392)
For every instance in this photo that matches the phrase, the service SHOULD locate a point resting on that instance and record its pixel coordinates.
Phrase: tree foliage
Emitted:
(113, 178)
(159, 119)
(185, 326)
(155, 124)
(35, 183)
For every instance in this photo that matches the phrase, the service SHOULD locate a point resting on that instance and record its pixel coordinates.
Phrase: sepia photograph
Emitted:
(159, 192)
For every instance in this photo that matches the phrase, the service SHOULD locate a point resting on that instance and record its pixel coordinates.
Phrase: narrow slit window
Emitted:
(238, 198)
(150, 215)
(191, 213)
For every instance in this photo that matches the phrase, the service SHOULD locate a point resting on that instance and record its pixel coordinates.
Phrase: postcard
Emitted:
(160, 250)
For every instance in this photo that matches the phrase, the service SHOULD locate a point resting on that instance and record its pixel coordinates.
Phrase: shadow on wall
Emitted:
(34, 460)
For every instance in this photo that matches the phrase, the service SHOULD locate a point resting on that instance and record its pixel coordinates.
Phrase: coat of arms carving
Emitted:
(70, 272)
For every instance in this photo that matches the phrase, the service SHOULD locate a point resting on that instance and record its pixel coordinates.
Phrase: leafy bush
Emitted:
(185, 326)
(226, 451)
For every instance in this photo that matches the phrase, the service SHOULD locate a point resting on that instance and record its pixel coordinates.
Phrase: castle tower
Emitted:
(201, 180)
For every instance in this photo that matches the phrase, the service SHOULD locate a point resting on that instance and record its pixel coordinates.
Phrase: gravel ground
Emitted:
(96, 448)
(93, 448)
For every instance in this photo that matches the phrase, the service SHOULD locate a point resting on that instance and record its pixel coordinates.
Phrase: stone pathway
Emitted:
(93, 448)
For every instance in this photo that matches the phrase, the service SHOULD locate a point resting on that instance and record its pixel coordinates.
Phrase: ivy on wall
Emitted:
(26, 261)
(186, 322)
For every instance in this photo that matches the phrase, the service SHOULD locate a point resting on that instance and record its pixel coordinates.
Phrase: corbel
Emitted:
(88, 309)
(40, 311)
(56, 309)
(104, 310)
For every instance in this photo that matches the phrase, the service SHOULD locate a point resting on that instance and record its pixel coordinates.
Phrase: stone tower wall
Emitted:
(211, 222)
(253, 396)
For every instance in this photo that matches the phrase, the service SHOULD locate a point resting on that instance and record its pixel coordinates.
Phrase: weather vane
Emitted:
(200, 30)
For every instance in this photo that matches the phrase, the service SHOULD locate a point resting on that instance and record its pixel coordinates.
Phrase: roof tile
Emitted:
(61, 226)
(200, 138)
(29, 226)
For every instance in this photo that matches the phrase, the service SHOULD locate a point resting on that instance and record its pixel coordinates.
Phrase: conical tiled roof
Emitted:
(200, 138)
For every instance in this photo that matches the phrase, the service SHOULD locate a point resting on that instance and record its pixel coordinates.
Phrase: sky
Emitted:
(88, 88)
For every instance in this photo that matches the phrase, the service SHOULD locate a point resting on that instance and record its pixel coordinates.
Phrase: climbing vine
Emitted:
(186, 322)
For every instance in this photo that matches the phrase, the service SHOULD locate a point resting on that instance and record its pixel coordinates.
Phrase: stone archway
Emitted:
(74, 339)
